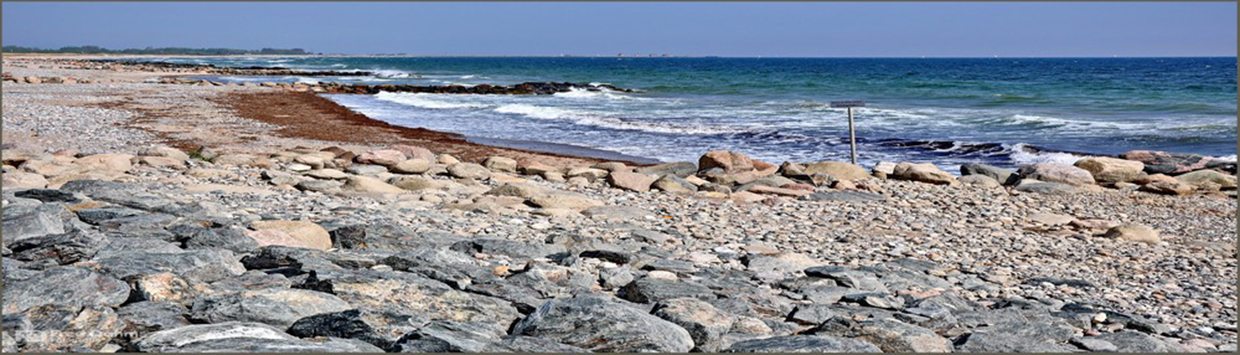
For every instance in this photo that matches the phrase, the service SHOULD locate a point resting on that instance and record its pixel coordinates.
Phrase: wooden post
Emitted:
(852, 137)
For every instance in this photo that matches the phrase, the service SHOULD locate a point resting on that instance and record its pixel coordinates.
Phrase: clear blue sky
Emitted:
(724, 29)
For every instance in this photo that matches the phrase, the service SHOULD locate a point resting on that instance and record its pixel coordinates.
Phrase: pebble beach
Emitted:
(147, 212)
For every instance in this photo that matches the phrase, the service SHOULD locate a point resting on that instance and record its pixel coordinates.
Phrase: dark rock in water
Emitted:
(1003, 176)
(845, 196)
(446, 337)
(67, 248)
(65, 285)
(680, 169)
(48, 195)
(348, 324)
(648, 290)
(1157, 162)
(802, 344)
(603, 325)
(523, 344)
(61, 328)
(705, 323)
(242, 337)
(512, 249)
(1019, 336)
(202, 265)
(889, 335)
(23, 223)
(1135, 342)
(145, 317)
(277, 307)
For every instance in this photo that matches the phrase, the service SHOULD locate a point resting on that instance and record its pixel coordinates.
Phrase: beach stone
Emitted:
(412, 166)
(590, 174)
(164, 151)
(568, 201)
(205, 265)
(601, 324)
(318, 185)
(613, 166)
(276, 307)
(892, 336)
(1049, 188)
(414, 152)
(23, 180)
(884, 168)
(652, 290)
(164, 287)
(145, 317)
(501, 164)
(767, 190)
(518, 190)
(446, 336)
(845, 196)
(1134, 232)
(928, 173)
(330, 174)
(367, 169)
(1157, 162)
(630, 181)
(64, 285)
(235, 159)
(1001, 175)
(1200, 177)
(1019, 336)
(680, 169)
(1051, 219)
(730, 162)
(60, 328)
(414, 183)
(1054, 172)
(469, 171)
(418, 298)
(106, 162)
(616, 212)
(837, 170)
(524, 344)
(369, 184)
(301, 234)
(1094, 345)
(384, 157)
(348, 324)
(802, 344)
(535, 167)
(1111, 170)
(778, 265)
(673, 184)
(1168, 188)
(160, 162)
(705, 323)
(314, 162)
(979, 181)
(45, 219)
(242, 337)
(1128, 341)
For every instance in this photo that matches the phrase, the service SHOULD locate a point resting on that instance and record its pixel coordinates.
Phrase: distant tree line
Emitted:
(154, 50)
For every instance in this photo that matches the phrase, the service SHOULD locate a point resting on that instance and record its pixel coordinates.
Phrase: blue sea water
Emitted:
(939, 110)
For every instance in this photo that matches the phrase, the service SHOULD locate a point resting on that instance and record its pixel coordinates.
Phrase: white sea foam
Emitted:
(539, 112)
(431, 101)
(1021, 156)
(387, 73)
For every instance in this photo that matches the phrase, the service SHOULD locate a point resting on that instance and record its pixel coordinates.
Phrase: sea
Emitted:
(946, 111)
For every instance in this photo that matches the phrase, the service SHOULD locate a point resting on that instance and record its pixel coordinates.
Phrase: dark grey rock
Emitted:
(1135, 342)
(350, 324)
(62, 328)
(811, 314)
(67, 248)
(648, 290)
(615, 277)
(602, 324)
(1003, 176)
(206, 265)
(16, 270)
(889, 335)
(845, 196)
(512, 249)
(128, 195)
(676, 266)
(679, 169)
(615, 256)
(862, 281)
(96, 215)
(119, 247)
(1019, 336)
(524, 344)
(22, 223)
(876, 300)
(150, 225)
(242, 337)
(218, 238)
(705, 323)
(1047, 188)
(802, 344)
(48, 195)
(64, 285)
(447, 337)
(1078, 283)
(1095, 345)
(146, 317)
(276, 307)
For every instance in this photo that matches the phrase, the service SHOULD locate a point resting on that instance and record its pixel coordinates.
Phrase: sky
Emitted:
(721, 29)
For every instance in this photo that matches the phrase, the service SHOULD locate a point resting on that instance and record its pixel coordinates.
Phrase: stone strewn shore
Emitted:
(120, 65)
(405, 250)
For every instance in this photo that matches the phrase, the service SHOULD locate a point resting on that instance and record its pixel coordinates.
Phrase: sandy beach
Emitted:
(156, 215)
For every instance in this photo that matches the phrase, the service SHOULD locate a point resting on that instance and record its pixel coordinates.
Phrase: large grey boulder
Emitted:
(242, 337)
(64, 285)
(1054, 172)
(603, 325)
(205, 265)
(1019, 336)
(446, 337)
(276, 307)
(1003, 176)
(803, 344)
(62, 328)
(705, 323)
(31, 222)
(890, 335)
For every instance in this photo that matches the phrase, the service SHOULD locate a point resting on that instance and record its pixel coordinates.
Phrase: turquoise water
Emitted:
(945, 111)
